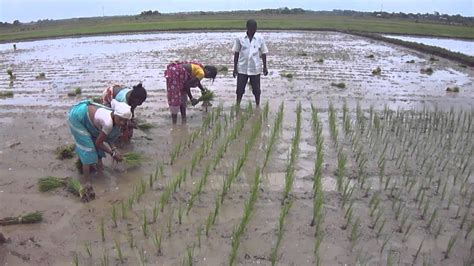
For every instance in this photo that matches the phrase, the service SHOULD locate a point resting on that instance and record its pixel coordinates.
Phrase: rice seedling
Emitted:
(341, 164)
(281, 223)
(145, 126)
(119, 251)
(170, 223)
(102, 229)
(438, 229)
(407, 232)
(48, 183)
(377, 71)
(418, 251)
(145, 225)
(65, 151)
(114, 216)
(385, 242)
(180, 213)
(464, 219)
(340, 85)
(451, 243)
(206, 98)
(75, 259)
(208, 223)
(86, 193)
(382, 225)
(87, 247)
(29, 218)
(142, 257)
(157, 243)
(469, 229)
(432, 218)
(130, 238)
(355, 233)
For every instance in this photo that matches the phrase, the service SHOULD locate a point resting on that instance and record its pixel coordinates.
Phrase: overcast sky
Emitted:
(32, 10)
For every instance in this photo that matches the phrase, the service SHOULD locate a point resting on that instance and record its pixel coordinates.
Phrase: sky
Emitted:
(32, 10)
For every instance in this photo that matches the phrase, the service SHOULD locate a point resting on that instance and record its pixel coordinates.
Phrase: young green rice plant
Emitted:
(432, 218)
(75, 259)
(418, 251)
(355, 233)
(340, 85)
(382, 225)
(87, 247)
(425, 209)
(142, 256)
(180, 213)
(119, 251)
(102, 229)
(341, 164)
(281, 224)
(124, 209)
(170, 223)
(450, 246)
(130, 238)
(407, 231)
(438, 229)
(114, 216)
(464, 219)
(157, 243)
(469, 229)
(385, 242)
(145, 224)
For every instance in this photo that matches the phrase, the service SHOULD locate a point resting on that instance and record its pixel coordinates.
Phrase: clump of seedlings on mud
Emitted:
(145, 126)
(86, 193)
(286, 75)
(75, 92)
(41, 75)
(427, 71)
(29, 218)
(377, 71)
(10, 74)
(340, 85)
(410, 61)
(6, 94)
(452, 89)
(65, 151)
(132, 159)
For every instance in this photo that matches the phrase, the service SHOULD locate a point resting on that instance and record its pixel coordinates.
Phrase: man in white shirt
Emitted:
(247, 52)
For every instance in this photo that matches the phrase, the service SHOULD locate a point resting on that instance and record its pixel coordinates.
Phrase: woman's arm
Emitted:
(99, 143)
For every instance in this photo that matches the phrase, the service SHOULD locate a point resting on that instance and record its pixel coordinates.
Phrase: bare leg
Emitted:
(182, 109)
(100, 167)
(86, 170)
(174, 117)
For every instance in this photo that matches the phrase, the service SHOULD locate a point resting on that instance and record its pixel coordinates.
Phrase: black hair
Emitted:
(212, 70)
(251, 22)
(138, 93)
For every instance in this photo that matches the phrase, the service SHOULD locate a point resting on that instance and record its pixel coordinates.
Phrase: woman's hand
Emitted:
(194, 101)
(117, 156)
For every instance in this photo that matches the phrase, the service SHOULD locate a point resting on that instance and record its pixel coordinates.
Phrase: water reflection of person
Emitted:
(14, 47)
(247, 52)
(91, 125)
(134, 97)
(180, 78)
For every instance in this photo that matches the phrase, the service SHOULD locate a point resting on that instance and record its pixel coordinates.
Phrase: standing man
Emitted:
(247, 52)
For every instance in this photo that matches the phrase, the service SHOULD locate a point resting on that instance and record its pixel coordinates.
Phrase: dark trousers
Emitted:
(242, 82)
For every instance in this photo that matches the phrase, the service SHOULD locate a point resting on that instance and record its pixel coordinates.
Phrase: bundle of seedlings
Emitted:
(377, 71)
(132, 159)
(145, 126)
(340, 85)
(29, 218)
(86, 193)
(75, 92)
(6, 94)
(65, 151)
(10, 73)
(453, 89)
(427, 71)
(48, 183)
(206, 98)
(41, 76)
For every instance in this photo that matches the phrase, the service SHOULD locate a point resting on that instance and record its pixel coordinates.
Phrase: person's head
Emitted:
(210, 72)
(251, 27)
(121, 113)
(137, 96)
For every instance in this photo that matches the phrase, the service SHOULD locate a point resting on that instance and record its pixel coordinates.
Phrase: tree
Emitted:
(16, 22)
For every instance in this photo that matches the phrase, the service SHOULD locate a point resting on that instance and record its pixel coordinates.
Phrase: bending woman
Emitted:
(180, 78)
(91, 125)
(134, 97)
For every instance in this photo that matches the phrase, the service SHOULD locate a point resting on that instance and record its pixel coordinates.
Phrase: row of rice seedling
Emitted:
(290, 169)
(289, 178)
(274, 134)
(248, 209)
(318, 194)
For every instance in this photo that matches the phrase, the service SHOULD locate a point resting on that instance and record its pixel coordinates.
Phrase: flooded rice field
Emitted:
(376, 170)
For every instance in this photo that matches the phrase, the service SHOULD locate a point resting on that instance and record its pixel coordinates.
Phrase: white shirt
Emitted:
(249, 53)
(103, 120)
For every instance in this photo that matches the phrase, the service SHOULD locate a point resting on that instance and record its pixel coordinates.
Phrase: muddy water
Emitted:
(32, 125)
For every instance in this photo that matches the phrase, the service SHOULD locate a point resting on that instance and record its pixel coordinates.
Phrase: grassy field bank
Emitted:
(123, 24)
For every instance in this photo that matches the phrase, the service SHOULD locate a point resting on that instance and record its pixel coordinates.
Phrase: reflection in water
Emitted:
(461, 46)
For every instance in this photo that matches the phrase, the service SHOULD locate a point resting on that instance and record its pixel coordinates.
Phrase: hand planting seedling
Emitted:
(206, 98)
